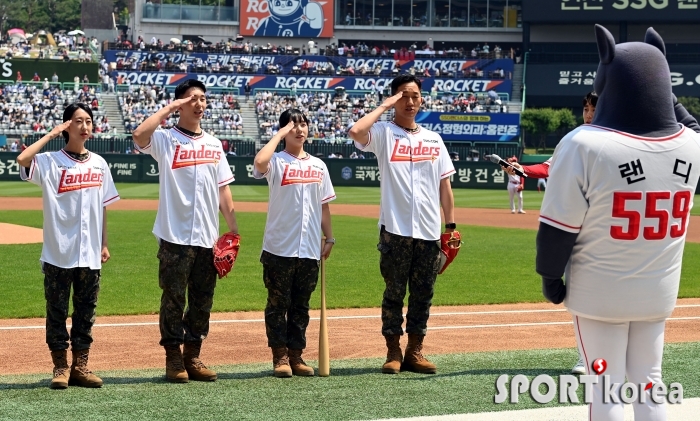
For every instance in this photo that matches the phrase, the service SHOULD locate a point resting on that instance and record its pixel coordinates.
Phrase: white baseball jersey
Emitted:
(411, 167)
(513, 179)
(629, 199)
(191, 171)
(298, 188)
(74, 196)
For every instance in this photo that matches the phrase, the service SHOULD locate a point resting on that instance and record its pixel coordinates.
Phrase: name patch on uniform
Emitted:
(188, 158)
(299, 176)
(406, 153)
(71, 182)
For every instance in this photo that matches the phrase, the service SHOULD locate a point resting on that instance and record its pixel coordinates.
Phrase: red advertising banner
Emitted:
(287, 18)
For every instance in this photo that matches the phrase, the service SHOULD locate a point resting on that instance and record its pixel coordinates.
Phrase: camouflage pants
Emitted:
(290, 281)
(185, 271)
(57, 285)
(413, 262)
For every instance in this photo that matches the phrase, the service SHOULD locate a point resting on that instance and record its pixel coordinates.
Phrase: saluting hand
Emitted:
(284, 131)
(392, 100)
(56, 131)
(175, 105)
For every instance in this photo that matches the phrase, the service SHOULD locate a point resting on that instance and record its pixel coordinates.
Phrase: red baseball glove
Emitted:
(226, 252)
(450, 243)
(520, 188)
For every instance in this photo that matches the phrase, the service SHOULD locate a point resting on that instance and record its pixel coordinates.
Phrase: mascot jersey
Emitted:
(621, 190)
(629, 198)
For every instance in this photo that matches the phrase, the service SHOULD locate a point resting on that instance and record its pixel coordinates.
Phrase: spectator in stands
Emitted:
(54, 78)
(493, 96)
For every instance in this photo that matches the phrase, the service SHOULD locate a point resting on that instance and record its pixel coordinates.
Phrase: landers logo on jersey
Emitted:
(72, 182)
(404, 152)
(187, 158)
(301, 176)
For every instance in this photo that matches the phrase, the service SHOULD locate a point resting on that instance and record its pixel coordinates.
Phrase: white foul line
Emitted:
(372, 317)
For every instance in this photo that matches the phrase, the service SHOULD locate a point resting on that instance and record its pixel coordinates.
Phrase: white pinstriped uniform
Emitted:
(628, 198)
(191, 171)
(74, 196)
(298, 188)
(411, 166)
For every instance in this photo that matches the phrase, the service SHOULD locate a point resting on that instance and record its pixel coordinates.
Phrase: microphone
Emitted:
(498, 160)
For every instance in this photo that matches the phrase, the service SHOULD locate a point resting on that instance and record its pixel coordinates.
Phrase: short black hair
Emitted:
(294, 115)
(590, 98)
(70, 110)
(186, 85)
(402, 80)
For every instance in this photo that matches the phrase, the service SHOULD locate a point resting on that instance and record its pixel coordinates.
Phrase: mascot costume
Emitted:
(292, 18)
(614, 219)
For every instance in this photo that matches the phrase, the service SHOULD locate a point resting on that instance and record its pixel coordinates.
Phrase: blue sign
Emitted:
(353, 83)
(346, 173)
(288, 62)
(472, 126)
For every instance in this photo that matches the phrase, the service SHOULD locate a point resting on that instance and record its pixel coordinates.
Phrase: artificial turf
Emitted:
(356, 390)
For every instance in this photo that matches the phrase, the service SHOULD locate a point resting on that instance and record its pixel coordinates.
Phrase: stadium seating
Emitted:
(28, 108)
(222, 117)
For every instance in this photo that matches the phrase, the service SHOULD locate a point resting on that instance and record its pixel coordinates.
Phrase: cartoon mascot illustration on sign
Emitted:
(292, 18)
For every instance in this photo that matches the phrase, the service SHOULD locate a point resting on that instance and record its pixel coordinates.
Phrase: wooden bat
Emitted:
(324, 366)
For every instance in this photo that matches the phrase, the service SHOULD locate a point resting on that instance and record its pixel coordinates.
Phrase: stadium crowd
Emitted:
(246, 66)
(65, 47)
(221, 117)
(331, 115)
(27, 108)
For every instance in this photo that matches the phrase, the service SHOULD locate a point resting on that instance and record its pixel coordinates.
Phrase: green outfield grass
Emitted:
(494, 266)
(465, 383)
(465, 198)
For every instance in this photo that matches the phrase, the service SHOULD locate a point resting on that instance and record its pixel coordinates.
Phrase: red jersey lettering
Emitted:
(188, 158)
(300, 176)
(406, 153)
(72, 182)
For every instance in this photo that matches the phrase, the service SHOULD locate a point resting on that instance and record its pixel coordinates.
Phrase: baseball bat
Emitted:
(324, 365)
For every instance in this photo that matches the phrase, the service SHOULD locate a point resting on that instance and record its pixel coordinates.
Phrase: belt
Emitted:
(515, 182)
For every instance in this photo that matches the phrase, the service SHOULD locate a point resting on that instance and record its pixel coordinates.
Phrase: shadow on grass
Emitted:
(244, 376)
(529, 372)
(25, 386)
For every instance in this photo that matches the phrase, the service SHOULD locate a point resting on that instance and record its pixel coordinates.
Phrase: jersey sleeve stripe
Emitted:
(222, 183)
(560, 225)
(144, 148)
(328, 199)
(447, 174)
(110, 200)
(362, 147)
(32, 167)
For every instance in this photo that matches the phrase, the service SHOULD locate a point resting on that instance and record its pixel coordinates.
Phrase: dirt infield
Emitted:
(131, 342)
(19, 234)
